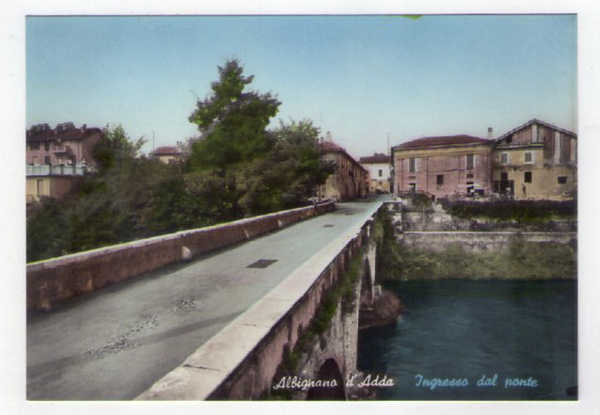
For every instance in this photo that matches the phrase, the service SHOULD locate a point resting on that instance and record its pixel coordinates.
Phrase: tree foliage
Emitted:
(240, 165)
(232, 122)
(115, 147)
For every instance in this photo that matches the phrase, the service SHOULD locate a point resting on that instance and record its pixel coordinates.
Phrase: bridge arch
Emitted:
(329, 371)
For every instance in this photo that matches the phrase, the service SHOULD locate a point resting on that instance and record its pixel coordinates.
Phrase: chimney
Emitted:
(329, 136)
(83, 128)
(490, 134)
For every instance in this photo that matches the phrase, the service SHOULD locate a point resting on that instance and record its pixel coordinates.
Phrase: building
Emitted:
(64, 145)
(349, 179)
(378, 168)
(168, 154)
(536, 160)
(443, 166)
(57, 158)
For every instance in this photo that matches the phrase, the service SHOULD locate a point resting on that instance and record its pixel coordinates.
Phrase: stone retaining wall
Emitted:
(480, 241)
(54, 280)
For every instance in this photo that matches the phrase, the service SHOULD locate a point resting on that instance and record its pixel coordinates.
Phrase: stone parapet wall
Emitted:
(55, 280)
(480, 241)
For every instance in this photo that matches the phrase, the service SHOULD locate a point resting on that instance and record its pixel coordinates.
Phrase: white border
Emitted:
(12, 251)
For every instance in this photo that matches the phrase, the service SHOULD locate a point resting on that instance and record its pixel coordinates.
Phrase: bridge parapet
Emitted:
(242, 359)
(55, 280)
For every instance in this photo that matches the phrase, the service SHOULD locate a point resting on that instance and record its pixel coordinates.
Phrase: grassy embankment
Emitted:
(519, 260)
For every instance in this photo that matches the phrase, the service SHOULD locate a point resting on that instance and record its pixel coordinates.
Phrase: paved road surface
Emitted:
(115, 343)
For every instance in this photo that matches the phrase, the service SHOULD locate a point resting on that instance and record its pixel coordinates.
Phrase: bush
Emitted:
(521, 211)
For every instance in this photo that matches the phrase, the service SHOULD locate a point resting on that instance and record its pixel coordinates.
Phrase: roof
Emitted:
(443, 141)
(65, 131)
(330, 146)
(166, 151)
(536, 121)
(375, 158)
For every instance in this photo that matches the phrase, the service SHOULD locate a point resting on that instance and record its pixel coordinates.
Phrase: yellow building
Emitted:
(349, 179)
(536, 160)
(168, 155)
(58, 182)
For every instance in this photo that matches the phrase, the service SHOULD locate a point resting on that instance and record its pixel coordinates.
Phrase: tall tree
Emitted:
(233, 122)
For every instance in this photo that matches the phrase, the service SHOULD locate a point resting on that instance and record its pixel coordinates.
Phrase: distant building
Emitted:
(443, 166)
(536, 160)
(349, 179)
(57, 158)
(63, 145)
(378, 168)
(168, 154)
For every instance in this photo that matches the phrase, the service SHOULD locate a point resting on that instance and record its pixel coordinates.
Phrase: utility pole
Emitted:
(388, 145)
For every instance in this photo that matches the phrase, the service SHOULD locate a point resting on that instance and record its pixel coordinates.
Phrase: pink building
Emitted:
(443, 166)
(63, 145)
(57, 159)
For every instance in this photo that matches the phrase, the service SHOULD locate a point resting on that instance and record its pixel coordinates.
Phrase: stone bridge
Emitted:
(303, 327)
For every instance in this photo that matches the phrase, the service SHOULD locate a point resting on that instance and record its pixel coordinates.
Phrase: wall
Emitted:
(450, 162)
(59, 187)
(242, 359)
(349, 179)
(479, 241)
(54, 280)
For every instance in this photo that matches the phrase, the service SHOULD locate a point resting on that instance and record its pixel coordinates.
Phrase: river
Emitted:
(477, 340)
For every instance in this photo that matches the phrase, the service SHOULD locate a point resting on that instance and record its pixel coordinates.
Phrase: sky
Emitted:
(363, 78)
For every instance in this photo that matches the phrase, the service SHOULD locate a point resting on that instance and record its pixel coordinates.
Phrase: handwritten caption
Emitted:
(377, 381)
(483, 382)
(296, 382)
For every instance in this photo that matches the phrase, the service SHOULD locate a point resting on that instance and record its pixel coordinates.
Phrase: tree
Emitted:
(115, 147)
(289, 175)
(47, 231)
(233, 123)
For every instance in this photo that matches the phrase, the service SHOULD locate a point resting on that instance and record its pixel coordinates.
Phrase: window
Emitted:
(412, 187)
(504, 158)
(527, 176)
(470, 161)
(509, 139)
(440, 179)
(380, 172)
(40, 187)
(47, 160)
(529, 157)
(562, 179)
(470, 176)
(412, 165)
(504, 176)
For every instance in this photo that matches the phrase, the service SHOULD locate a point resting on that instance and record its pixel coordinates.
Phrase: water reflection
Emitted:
(522, 333)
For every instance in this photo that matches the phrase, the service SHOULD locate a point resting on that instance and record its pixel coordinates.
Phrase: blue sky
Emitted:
(360, 77)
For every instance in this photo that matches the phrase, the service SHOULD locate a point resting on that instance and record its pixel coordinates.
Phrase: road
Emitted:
(115, 343)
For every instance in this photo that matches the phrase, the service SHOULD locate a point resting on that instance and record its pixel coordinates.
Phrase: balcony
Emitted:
(49, 170)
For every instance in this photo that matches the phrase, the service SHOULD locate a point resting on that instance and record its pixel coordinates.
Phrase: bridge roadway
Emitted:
(116, 342)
